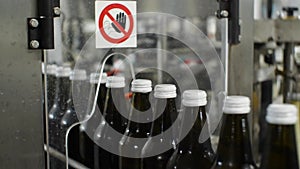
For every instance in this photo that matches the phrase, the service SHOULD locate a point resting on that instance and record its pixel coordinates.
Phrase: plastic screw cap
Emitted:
(141, 85)
(194, 98)
(164, 91)
(94, 77)
(237, 105)
(115, 82)
(78, 74)
(282, 114)
(63, 72)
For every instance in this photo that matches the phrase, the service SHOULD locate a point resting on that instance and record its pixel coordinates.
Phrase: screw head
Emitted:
(224, 13)
(34, 23)
(34, 44)
(56, 10)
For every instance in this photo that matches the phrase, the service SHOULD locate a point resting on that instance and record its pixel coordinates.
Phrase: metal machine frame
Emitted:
(21, 124)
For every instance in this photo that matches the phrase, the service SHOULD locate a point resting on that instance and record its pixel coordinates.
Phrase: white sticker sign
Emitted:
(116, 24)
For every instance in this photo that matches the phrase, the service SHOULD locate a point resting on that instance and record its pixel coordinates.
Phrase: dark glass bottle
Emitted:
(234, 150)
(77, 77)
(138, 126)
(103, 91)
(165, 95)
(56, 113)
(114, 103)
(280, 149)
(86, 144)
(51, 83)
(191, 154)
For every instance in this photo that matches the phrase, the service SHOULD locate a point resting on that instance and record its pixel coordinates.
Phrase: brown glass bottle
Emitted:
(191, 154)
(114, 103)
(140, 104)
(280, 150)
(165, 98)
(56, 113)
(86, 144)
(51, 84)
(234, 150)
(77, 78)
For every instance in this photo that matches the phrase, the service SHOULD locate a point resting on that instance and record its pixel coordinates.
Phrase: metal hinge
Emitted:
(41, 28)
(230, 9)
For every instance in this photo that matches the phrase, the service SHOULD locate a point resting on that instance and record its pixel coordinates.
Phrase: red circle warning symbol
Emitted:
(126, 34)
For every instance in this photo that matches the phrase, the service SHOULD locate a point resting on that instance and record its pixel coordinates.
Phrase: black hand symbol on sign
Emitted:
(121, 19)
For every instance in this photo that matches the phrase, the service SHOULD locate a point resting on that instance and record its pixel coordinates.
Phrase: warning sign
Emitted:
(116, 24)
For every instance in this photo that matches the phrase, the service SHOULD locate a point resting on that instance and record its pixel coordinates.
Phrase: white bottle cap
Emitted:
(94, 77)
(141, 86)
(237, 105)
(115, 82)
(78, 74)
(282, 114)
(51, 69)
(165, 91)
(194, 98)
(63, 72)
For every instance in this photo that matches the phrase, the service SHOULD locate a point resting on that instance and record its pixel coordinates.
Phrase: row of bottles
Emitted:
(149, 118)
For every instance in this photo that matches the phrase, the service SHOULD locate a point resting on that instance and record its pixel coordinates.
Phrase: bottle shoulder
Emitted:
(56, 112)
(187, 159)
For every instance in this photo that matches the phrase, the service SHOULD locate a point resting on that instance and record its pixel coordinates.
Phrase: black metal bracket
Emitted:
(40, 33)
(230, 9)
(41, 28)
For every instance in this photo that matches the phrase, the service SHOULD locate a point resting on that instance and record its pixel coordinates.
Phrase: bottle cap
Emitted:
(115, 82)
(164, 91)
(63, 72)
(141, 86)
(51, 69)
(78, 74)
(194, 98)
(237, 105)
(94, 77)
(282, 114)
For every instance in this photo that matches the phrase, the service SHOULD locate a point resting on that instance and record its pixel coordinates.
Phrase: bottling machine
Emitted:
(256, 41)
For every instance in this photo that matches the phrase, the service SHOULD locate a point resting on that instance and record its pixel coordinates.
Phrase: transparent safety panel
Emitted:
(91, 102)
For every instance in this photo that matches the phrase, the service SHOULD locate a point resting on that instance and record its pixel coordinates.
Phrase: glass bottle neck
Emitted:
(164, 121)
(235, 145)
(192, 139)
(139, 104)
(51, 81)
(280, 148)
(282, 138)
(101, 88)
(101, 95)
(63, 89)
(115, 103)
(140, 101)
(278, 132)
